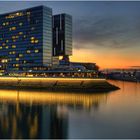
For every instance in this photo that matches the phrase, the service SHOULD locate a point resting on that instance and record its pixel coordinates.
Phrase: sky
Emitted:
(104, 32)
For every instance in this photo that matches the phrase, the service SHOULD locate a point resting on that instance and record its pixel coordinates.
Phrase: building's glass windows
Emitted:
(36, 51)
(12, 28)
(20, 55)
(20, 33)
(28, 51)
(25, 35)
(20, 24)
(6, 47)
(13, 46)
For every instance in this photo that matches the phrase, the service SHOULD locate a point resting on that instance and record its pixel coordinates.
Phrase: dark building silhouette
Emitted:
(62, 36)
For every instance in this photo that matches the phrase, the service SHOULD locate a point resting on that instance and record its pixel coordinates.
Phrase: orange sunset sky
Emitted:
(124, 58)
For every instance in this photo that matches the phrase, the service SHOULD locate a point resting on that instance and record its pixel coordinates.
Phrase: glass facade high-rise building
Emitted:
(26, 38)
(33, 39)
(62, 35)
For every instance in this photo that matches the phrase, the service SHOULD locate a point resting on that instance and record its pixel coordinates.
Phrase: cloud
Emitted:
(108, 31)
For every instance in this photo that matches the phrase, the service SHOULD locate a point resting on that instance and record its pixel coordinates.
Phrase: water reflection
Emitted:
(39, 114)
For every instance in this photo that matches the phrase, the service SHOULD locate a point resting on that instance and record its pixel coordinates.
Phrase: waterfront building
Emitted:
(62, 36)
(26, 39)
(32, 41)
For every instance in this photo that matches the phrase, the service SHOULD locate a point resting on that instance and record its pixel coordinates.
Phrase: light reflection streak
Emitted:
(42, 97)
(37, 108)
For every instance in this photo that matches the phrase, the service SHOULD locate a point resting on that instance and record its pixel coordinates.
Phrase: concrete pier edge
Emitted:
(57, 84)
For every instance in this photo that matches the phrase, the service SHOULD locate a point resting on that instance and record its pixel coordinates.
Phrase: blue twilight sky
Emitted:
(104, 30)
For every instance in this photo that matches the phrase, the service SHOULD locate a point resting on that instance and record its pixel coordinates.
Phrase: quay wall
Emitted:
(57, 84)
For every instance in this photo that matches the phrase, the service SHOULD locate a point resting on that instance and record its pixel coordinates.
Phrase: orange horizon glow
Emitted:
(106, 59)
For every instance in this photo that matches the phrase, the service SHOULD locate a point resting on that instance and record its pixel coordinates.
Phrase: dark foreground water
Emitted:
(39, 114)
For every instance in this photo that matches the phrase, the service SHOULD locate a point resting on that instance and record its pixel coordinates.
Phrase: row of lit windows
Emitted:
(28, 51)
(12, 28)
(26, 33)
(13, 46)
(17, 59)
(33, 40)
(10, 16)
(7, 24)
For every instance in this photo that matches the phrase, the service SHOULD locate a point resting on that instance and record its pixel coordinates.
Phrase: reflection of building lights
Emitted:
(86, 100)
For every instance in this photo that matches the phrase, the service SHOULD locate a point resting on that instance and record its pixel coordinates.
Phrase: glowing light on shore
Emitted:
(48, 79)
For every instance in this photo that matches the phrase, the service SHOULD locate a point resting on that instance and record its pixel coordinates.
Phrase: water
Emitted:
(39, 114)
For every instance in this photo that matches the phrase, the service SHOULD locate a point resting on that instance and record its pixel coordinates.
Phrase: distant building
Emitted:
(79, 65)
(84, 65)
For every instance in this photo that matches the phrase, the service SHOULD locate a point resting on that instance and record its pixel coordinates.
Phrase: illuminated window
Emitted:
(17, 36)
(7, 41)
(20, 55)
(4, 60)
(3, 44)
(20, 33)
(36, 51)
(12, 28)
(32, 41)
(28, 13)
(13, 46)
(36, 41)
(13, 52)
(13, 37)
(32, 38)
(14, 15)
(20, 24)
(28, 51)
(17, 59)
(0, 47)
(17, 14)
(17, 65)
(7, 23)
(6, 47)
(3, 24)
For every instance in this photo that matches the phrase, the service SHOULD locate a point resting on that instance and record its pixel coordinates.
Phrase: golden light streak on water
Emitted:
(50, 98)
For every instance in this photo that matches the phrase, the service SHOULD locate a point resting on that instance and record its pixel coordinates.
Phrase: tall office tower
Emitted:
(26, 38)
(62, 36)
